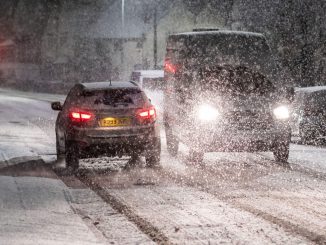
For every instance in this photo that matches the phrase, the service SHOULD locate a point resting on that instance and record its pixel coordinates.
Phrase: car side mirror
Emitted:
(56, 106)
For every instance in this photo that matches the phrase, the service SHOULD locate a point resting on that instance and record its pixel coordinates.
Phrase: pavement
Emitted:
(34, 209)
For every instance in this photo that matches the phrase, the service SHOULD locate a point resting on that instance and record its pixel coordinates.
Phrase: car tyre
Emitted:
(196, 157)
(171, 142)
(133, 161)
(58, 149)
(72, 156)
(153, 156)
(281, 152)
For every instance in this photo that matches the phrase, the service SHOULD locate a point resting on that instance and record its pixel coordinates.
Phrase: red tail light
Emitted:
(146, 115)
(78, 116)
(169, 67)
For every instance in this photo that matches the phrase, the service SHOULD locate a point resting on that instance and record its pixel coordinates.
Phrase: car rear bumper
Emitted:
(101, 141)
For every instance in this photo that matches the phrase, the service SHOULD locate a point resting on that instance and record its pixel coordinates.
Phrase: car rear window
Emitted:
(114, 98)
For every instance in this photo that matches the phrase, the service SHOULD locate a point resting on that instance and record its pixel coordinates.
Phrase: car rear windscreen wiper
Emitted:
(115, 104)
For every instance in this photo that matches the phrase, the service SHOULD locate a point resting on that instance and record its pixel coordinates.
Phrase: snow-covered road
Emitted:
(238, 198)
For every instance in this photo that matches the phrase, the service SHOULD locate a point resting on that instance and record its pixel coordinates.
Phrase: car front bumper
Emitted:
(230, 139)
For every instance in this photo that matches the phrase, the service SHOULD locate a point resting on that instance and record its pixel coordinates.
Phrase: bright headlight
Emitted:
(207, 113)
(281, 112)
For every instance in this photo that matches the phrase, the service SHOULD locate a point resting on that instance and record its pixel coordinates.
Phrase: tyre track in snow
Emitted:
(143, 225)
(287, 225)
(204, 179)
(183, 214)
(239, 200)
(123, 180)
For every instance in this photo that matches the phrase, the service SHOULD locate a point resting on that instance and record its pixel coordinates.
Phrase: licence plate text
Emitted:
(115, 122)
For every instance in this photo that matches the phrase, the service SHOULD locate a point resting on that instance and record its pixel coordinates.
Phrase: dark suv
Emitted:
(107, 119)
(222, 93)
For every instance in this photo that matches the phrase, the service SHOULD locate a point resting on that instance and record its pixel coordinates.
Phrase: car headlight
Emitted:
(207, 113)
(281, 112)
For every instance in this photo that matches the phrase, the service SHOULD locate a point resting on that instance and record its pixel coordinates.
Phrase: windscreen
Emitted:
(210, 45)
(229, 80)
(196, 49)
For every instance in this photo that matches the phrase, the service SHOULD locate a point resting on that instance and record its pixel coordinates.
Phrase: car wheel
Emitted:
(153, 155)
(281, 152)
(58, 150)
(72, 156)
(134, 160)
(196, 156)
(171, 142)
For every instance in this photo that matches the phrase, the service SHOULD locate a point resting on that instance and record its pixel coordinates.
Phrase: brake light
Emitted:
(146, 115)
(169, 67)
(77, 116)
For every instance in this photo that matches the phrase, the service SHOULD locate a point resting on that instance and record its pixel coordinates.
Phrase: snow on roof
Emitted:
(107, 85)
(310, 89)
(221, 32)
(150, 73)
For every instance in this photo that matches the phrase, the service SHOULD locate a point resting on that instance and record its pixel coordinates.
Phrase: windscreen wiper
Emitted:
(115, 104)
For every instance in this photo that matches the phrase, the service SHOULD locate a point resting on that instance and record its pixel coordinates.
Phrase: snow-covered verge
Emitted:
(22, 137)
(36, 210)
(33, 210)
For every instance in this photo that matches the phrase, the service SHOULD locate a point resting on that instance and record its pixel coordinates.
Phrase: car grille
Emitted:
(250, 120)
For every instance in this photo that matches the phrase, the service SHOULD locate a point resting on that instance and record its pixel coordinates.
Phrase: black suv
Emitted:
(223, 93)
(107, 119)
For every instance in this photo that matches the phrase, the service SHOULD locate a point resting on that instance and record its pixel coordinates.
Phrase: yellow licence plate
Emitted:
(115, 122)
